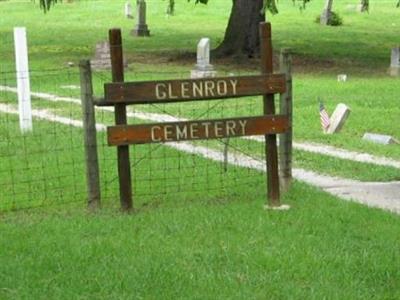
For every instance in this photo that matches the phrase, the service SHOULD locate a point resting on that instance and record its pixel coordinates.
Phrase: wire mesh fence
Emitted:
(47, 167)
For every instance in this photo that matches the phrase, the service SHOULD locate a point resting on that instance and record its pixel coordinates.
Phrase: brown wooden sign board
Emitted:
(196, 130)
(143, 92)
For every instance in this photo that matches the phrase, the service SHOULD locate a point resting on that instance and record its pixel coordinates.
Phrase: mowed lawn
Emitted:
(198, 232)
(200, 249)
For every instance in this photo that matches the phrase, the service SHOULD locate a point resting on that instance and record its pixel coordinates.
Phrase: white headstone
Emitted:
(23, 82)
(203, 54)
(395, 57)
(203, 68)
(128, 10)
(379, 138)
(338, 118)
(102, 58)
(394, 69)
(342, 77)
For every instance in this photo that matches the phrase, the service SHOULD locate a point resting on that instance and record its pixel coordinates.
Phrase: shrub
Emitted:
(335, 19)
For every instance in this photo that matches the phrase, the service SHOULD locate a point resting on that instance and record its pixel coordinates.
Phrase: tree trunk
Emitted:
(364, 5)
(241, 35)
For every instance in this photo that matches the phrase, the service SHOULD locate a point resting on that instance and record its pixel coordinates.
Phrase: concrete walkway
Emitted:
(384, 195)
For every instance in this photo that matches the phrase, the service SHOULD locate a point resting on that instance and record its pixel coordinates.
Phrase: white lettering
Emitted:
(210, 86)
(222, 88)
(185, 90)
(206, 127)
(243, 123)
(153, 133)
(218, 129)
(168, 132)
(181, 134)
(234, 84)
(160, 91)
(197, 89)
(170, 94)
(230, 127)
(193, 130)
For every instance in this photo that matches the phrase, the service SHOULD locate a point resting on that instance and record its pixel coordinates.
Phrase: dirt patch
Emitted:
(301, 63)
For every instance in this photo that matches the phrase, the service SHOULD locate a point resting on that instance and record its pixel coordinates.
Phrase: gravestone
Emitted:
(102, 57)
(203, 68)
(128, 10)
(141, 28)
(379, 138)
(338, 118)
(394, 69)
(342, 78)
(326, 13)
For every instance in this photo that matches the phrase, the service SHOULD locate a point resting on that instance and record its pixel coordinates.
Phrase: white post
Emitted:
(23, 84)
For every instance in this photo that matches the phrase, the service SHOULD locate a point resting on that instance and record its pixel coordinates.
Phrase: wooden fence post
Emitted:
(124, 167)
(271, 152)
(286, 108)
(89, 129)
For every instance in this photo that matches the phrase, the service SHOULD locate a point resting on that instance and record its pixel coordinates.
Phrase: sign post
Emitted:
(124, 169)
(120, 93)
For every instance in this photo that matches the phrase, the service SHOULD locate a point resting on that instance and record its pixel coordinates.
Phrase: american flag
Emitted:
(325, 121)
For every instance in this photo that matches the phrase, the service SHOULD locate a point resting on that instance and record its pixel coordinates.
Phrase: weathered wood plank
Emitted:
(271, 151)
(195, 130)
(124, 166)
(143, 92)
(286, 108)
(90, 140)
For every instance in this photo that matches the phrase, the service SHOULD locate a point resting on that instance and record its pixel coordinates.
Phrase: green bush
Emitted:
(335, 19)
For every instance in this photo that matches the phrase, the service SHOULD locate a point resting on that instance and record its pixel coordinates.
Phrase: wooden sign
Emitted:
(143, 92)
(120, 94)
(195, 130)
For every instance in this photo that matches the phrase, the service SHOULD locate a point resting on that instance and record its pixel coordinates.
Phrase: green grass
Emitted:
(360, 48)
(198, 232)
(202, 249)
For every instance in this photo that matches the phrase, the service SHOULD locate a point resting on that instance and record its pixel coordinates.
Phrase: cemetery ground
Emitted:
(205, 243)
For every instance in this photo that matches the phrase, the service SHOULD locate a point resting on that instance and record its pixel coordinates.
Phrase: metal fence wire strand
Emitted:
(46, 166)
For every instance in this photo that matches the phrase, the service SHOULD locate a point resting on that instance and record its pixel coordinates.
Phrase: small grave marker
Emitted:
(379, 138)
(203, 68)
(338, 118)
(394, 69)
(128, 10)
(342, 78)
(102, 58)
(141, 28)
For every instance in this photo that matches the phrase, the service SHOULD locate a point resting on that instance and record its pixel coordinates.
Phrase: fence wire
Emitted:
(46, 166)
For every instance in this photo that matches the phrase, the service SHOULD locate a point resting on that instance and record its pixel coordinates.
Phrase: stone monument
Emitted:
(203, 68)
(394, 69)
(326, 13)
(141, 28)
